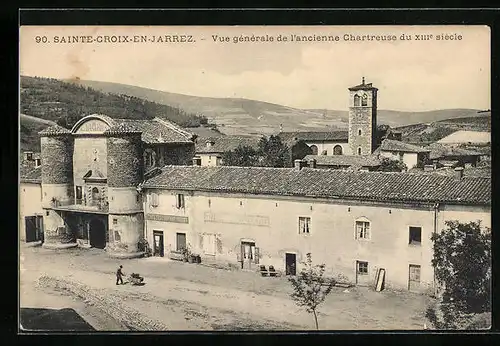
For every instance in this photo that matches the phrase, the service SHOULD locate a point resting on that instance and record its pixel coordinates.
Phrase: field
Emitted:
(183, 296)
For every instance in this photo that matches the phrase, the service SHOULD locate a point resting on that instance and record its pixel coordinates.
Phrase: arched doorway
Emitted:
(337, 150)
(97, 234)
(314, 150)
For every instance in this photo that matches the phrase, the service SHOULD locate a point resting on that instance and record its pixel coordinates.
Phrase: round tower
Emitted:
(57, 183)
(125, 173)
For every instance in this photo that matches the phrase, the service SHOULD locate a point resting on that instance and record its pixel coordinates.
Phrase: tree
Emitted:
(273, 152)
(389, 165)
(243, 156)
(310, 287)
(462, 266)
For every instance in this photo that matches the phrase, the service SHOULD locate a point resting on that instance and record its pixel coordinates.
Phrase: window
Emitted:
(415, 235)
(361, 268)
(117, 236)
(138, 198)
(78, 192)
(47, 213)
(401, 154)
(357, 101)
(180, 201)
(337, 150)
(304, 225)
(359, 132)
(359, 151)
(115, 221)
(37, 163)
(364, 100)
(362, 230)
(29, 156)
(153, 200)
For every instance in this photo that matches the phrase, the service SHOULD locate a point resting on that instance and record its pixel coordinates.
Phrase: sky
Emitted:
(411, 75)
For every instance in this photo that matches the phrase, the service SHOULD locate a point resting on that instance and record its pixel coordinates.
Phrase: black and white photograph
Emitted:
(254, 178)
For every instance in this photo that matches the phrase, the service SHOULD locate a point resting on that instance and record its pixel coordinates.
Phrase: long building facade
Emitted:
(354, 222)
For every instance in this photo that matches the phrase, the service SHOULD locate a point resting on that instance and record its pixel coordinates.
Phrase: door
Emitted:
(97, 234)
(39, 228)
(158, 248)
(414, 277)
(209, 244)
(248, 255)
(181, 241)
(30, 224)
(362, 273)
(290, 264)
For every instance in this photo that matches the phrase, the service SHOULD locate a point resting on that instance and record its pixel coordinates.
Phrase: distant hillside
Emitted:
(434, 131)
(242, 116)
(29, 128)
(65, 103)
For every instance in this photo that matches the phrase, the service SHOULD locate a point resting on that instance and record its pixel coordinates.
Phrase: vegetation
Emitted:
(389, 165)
(462, 265)
(271, 152)
(65, 103)
(311, 287)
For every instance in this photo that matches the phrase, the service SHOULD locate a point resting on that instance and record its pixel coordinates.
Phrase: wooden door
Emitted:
(158, 248)
(290, 264)
(181, 241)
(209, 244)
(30, 225)
(362, 273)
(414, 277)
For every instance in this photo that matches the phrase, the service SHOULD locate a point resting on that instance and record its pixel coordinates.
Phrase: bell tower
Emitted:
(362, 118)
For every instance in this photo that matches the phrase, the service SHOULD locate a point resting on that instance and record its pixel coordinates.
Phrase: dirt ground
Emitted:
(184, 296)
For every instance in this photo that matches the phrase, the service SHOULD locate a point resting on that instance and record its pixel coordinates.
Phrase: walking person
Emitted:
(119, 275)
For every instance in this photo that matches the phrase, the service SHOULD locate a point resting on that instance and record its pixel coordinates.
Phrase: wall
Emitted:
(328, 146)
(30, 204)
(130, 230)
(409, 159)
(273, 224)
(83, 157)
(210, 159)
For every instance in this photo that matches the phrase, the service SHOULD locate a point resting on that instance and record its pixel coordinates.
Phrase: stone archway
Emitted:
(97, 234)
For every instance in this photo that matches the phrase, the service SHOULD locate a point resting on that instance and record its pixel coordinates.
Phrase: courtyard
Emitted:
(185, 296)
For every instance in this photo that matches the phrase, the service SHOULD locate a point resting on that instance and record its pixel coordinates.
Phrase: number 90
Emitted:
(41, 39)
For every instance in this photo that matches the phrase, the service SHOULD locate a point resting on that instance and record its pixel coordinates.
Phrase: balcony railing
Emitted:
(99, 205)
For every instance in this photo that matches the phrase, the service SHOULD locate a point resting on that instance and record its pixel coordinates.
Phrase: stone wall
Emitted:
(125, 161)
(57, 159)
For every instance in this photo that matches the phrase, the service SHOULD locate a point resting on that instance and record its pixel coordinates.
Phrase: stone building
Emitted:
(351, 162)
(411, 155)
(30, 203)
(209, 150)
(354, 222)
(90, 176)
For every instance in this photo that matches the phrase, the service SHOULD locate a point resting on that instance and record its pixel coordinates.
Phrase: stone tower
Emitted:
(125, 173)
(362, 118)
(57, 182)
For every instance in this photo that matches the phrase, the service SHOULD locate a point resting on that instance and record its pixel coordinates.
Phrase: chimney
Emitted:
(298, 164)
(312, 163)
(28, 155)
(429, 168)
(459, 173)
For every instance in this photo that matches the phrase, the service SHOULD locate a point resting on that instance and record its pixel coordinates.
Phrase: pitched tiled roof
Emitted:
(363, 86)
(442, 151)
(224, 143)
(327, 183)
(392, 145)
(345, 160)
(54, 130)
(30, 174)
(337, 136)
(475, 172)
(158, 131)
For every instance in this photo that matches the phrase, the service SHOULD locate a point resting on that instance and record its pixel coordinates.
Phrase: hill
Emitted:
(29, 128)
(430, 132)
(243, 116)
(65, 103)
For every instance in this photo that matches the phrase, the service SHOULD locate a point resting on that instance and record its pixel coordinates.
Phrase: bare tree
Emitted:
(311, 287)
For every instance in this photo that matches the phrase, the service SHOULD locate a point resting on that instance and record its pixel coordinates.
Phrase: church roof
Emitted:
(345, 160)
(54, 130)
(156, 130)
(325, 183)
(310, 136)
(363, 86)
